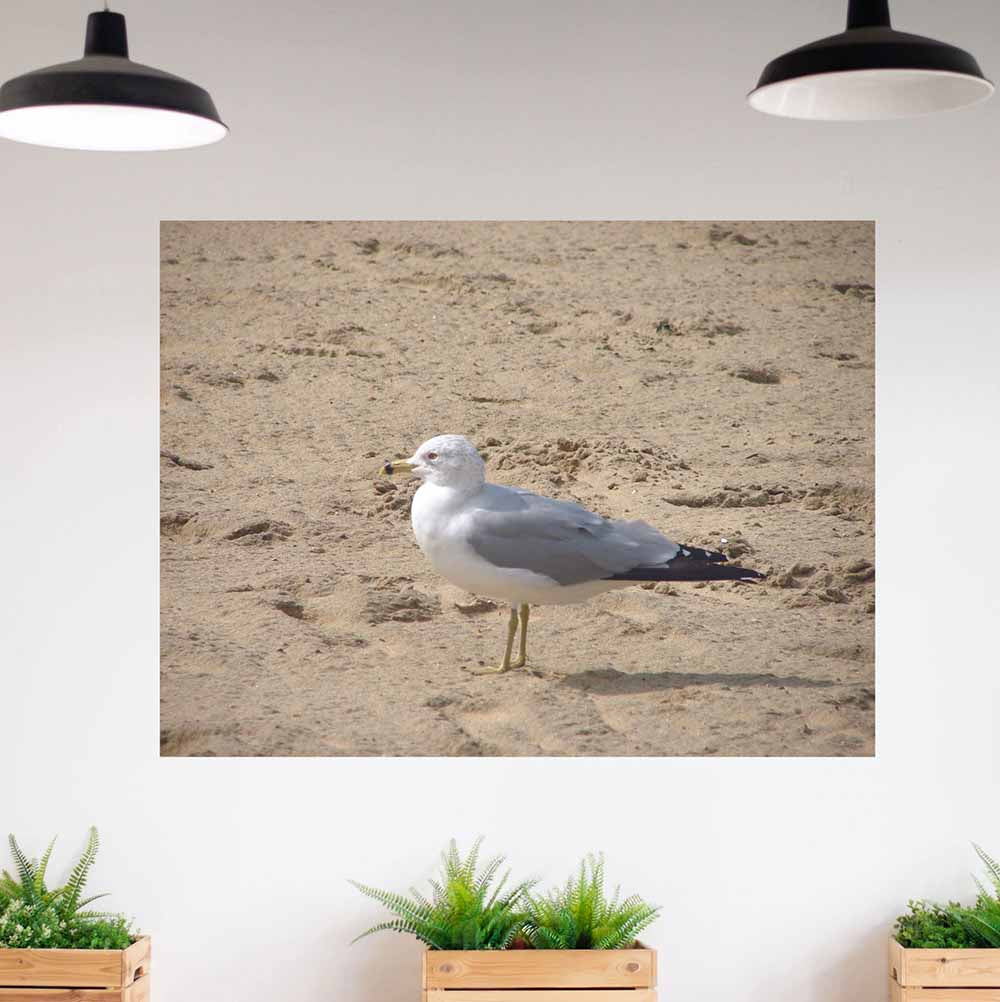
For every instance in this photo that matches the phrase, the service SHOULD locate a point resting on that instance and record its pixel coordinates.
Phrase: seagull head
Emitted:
(445, 460)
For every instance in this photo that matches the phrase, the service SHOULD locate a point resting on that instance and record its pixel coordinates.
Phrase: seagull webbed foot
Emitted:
(490, 670)
(507, 664)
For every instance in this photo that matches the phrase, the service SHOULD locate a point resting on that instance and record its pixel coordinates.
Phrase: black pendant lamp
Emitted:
(869, 71)
(107, 102)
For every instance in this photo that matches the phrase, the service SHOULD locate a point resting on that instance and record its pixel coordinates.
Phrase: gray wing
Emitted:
(560, 539)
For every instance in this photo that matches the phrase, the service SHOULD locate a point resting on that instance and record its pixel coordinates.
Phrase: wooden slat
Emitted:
(136, 960)
(527, 995)
(945, 968)
(74, 968)
(63, 995)
(900, 994)
(138, 991)
(897, 962)
(455, 969)
(61, 968)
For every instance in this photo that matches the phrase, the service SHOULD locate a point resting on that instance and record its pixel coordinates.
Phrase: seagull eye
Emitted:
(431, 455)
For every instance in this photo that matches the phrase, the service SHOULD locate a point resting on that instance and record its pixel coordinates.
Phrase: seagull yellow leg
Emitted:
(505, 665)
(522, 657)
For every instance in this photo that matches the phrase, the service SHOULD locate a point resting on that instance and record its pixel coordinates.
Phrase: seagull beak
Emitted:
(396, 466)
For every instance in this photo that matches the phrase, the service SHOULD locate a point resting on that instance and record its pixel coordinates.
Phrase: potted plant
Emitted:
(53, 947)
(949, 947)
(489, 941)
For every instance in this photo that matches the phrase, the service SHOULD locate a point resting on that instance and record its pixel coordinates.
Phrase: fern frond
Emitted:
(992, 866)
(91, 899)
(419, 898)
(396, 925)
(981, 924)
(402, 906)
(466, 910)
(452, 861)
(580, 916)
(468, 868)
(489, 872)
(78, 877)
(25, 867)
(597, 876)
(42, 867)
(495, 896)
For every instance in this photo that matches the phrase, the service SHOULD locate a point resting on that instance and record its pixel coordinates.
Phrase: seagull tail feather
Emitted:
(691, 564)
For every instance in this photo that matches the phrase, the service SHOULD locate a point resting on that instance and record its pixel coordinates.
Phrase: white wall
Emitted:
(780, 878)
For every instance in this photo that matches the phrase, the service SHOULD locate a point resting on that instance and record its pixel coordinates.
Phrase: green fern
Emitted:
(32, 915)
(73, 890)
(982, 921)
(992, 866)
(467, 909)
(579, 916)
(927, 926)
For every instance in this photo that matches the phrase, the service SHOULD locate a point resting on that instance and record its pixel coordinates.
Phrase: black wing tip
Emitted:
(694, 571)
(692, 563)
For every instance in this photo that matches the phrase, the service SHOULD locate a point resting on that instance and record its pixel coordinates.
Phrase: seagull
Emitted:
(524, 549)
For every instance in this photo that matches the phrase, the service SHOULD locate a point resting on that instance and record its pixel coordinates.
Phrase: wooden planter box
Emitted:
(76, 975)
(943, 975)
(539, 976)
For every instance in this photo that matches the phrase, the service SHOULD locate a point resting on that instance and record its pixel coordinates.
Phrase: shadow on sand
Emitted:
(611, 682)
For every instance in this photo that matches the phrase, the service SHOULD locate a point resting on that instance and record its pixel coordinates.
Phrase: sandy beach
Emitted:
(715, 379)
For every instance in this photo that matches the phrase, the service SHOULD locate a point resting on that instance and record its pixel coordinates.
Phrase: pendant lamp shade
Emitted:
(104, 101)
(870, 71)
